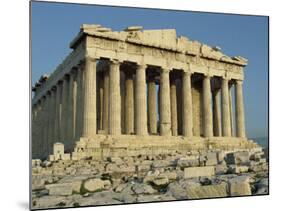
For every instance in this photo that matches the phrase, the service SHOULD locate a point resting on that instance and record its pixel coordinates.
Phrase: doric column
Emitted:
(230, 110)
(122, 94)
(40, 139)
(57, 123)
(79, 98)
(74, 115)
(141, 111)
(240, 119)
(54, 94)
(187, 116)
(174, 117)
(44, 145)
(217, 113)
(51, 119)
(152, 110)
(207, 105)
(114, 99)
(129, 104)
(89, 99)
(226, 127)
(71, 99)
(179, 105)
(105, 100)
(100, 100)
(64, 107)
(35, 115)
(165, 106)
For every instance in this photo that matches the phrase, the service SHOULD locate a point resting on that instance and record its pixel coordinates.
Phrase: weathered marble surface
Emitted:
(117, 180)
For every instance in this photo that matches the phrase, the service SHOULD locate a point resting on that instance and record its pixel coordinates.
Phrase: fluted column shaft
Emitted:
(79, 98)
(100, 99)
(54, 94)
(226, 126)
(49, 121)
(231, 111)
(57, 113)
(217, 114)
(165, 105)
(207, 105)
(240, 118)
(74, 114)
(64, 112)
(70, 125)
(174, 117)
(40, 128)
(141, 111)
(187, 117)
(129, 104)
(89, 99)
(51, 118)
(105, 101)
(114, 99)
(44, 147)
(152, 109)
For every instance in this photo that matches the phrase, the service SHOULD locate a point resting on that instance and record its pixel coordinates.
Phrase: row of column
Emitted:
(141, 116)
(141, 103)
(69, 110)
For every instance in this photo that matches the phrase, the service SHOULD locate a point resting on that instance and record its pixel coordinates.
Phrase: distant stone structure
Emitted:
(138, 91)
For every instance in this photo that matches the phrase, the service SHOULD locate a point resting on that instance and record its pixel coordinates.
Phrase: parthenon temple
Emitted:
(139, 91)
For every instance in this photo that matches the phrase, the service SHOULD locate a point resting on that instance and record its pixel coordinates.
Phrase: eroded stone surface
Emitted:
(92, 185)
(203, 171)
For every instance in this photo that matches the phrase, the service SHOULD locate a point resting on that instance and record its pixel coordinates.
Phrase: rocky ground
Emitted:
(148, 178)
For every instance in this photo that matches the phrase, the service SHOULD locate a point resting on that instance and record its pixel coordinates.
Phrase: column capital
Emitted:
(165, 70)
(188, 70)
(226, 78)
(240, 82)
(91, 58)
(54, 88)
(142, 66)
(115, 61)
(208, 75)
(48, 93)
(65, 77)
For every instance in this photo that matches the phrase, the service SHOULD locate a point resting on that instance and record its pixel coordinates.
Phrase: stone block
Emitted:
(185, 162)
(143, 189)
(238, 169)
(92, 185)
(211, 159)
(238, 158)
(57, 157)
(160, 180)
(65, 156)
(203, 171)
(36, 162)
(58, 149)
(38, 183)
(116, 160)
(160, 163)
(62, 189)
(51, 158)
(239, 186)
(143, 167)
(220, 156)
(206, 191)
(170, 175)
(221, 169)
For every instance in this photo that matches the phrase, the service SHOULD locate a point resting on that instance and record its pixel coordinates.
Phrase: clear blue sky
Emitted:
(54, 25)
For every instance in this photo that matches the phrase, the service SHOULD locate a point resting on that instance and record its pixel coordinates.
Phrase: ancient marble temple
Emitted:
(139, 91)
